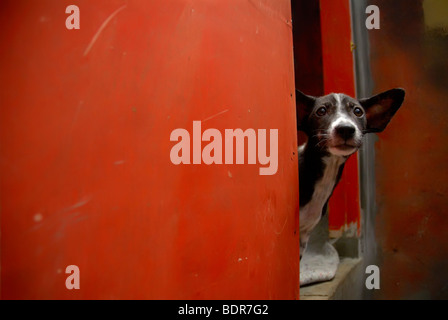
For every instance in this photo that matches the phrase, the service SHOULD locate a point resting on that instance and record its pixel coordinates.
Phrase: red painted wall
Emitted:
(338, 75)
(86, 177)
(411, 155)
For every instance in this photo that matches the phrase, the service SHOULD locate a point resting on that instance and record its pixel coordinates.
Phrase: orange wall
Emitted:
(412, 157)
(86, 176)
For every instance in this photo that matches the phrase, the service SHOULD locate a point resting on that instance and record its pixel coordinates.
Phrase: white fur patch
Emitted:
(342, 153)
(310, 214)
(342, 119)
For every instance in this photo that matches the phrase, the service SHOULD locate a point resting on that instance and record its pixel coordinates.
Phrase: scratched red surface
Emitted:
(344, 210)
(86, 177)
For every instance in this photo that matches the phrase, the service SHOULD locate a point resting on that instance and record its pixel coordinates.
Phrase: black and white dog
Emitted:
(335, 125)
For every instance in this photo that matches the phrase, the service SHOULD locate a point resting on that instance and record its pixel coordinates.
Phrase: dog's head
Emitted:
(336, 122)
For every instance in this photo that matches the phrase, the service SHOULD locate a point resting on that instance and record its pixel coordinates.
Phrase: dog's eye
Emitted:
(358, 112)
(321, 111)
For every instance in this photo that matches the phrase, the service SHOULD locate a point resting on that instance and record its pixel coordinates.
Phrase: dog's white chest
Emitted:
(310, 213)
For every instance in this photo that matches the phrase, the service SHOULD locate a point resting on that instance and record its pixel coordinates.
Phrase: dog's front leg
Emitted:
(304, 237)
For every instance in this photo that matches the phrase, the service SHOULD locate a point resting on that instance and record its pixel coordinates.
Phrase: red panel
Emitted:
(86, 176)
(411, 154)
(339, 77)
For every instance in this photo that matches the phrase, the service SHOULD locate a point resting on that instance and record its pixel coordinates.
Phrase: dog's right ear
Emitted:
(381, 108)
(304, 106)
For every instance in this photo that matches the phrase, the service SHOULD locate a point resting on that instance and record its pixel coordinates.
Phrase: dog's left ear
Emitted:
(381, 108)
(304, 106)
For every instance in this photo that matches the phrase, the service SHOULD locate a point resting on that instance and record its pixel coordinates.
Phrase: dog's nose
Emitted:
(345, 132)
